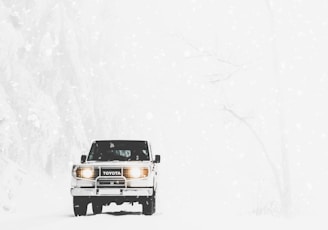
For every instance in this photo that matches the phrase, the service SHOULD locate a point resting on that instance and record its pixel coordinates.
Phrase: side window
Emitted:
(92, 152)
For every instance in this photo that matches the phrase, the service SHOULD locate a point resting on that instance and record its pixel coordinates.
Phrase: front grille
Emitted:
(110, 183)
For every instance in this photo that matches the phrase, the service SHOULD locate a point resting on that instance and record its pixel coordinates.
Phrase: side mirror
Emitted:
(157, 159)
(83, 159)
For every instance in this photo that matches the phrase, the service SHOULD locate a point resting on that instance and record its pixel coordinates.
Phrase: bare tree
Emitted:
(281, 177)
(285, 193)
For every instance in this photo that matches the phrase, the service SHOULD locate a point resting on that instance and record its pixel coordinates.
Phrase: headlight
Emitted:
(135, 172)
(86, 173)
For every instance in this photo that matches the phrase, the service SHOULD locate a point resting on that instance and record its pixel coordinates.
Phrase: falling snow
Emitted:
(225, 91)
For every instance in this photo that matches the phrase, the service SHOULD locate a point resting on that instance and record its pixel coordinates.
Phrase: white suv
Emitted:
(115, 171)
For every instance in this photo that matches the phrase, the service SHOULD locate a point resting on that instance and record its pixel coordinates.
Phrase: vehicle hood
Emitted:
(118, 163)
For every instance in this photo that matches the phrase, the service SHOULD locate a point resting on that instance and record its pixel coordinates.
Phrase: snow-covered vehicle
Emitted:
(115, 171)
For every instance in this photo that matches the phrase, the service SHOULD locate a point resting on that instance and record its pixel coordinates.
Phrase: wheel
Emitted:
(149, 206)
(96, 208)
(80, 206)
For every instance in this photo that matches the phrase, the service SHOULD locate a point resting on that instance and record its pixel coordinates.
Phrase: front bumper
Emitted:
(112, 191)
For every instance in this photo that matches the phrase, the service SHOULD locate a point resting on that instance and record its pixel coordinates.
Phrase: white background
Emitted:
(232, 95)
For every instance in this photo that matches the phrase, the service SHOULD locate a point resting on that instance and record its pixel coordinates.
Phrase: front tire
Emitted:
(80, 206)
(149, 206)
(96, 208)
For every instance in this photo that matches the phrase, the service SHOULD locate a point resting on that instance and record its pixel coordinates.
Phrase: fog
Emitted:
(230, 94)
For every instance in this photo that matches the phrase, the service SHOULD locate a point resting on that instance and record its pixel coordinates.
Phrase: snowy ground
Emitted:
(50, 208)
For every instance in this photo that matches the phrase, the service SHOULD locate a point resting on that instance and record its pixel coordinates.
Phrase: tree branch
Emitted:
(225, 76)
(260, 142)
(207, 53)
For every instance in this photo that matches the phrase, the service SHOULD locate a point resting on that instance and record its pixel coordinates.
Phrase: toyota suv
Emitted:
(115, 171)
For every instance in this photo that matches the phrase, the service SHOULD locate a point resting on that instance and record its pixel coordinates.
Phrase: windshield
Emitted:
(119, 151)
